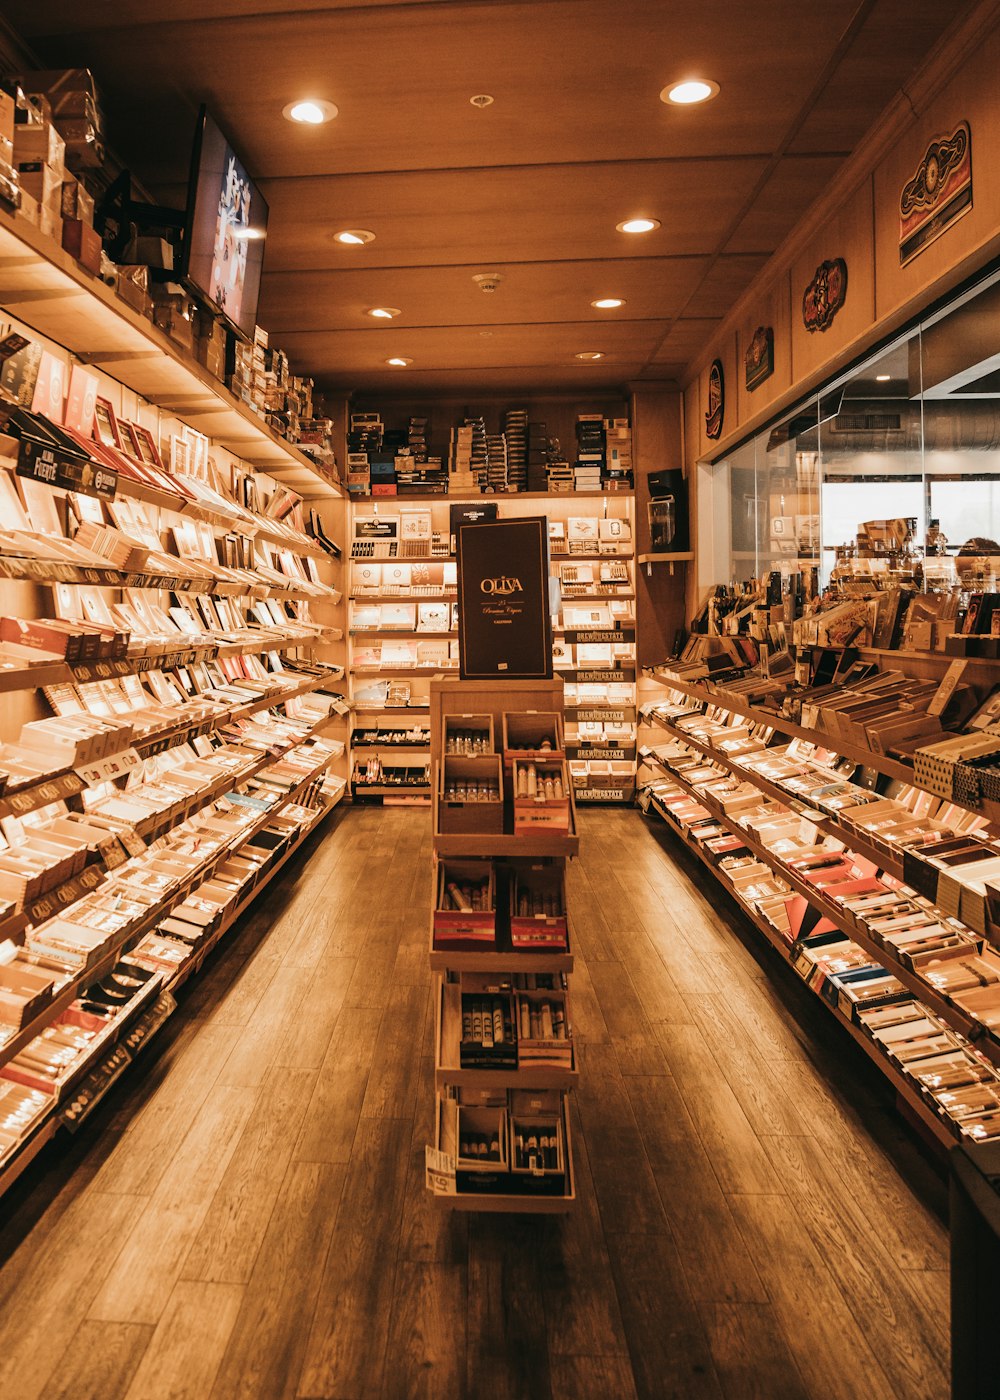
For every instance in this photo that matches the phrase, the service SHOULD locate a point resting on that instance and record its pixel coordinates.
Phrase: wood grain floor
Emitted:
(247, 1217)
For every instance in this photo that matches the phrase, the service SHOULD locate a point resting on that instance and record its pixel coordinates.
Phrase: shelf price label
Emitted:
(439, 1172)
(109, 768)
(52, 468)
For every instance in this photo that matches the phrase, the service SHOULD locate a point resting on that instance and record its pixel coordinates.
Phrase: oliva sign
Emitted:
(502, 585)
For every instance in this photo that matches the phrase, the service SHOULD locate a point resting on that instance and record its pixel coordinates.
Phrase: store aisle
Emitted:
(248, 1217)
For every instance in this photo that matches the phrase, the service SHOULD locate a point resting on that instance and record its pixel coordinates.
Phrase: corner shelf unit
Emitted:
(522, 1090)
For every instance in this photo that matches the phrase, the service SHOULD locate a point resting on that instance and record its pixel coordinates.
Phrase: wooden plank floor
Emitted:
(247, 1217)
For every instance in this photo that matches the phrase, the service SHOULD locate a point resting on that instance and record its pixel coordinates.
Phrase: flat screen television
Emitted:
(226, 228)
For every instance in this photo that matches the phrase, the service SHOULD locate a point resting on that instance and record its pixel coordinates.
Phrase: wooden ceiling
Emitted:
(530, 187)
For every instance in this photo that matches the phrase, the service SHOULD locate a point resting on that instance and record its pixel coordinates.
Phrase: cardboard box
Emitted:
(464, 929)
(83, 243)
(42, 181)
(534, 807)
(459, 812)
(39, 141)
(541, 888)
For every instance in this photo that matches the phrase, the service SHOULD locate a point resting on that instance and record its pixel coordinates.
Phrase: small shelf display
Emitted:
(500, 940)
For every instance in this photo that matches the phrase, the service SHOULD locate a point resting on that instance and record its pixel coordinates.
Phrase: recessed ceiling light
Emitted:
(354, 235)
(608, 303)
(883, 378)
(692, 90)
(384, 313)
(590, 355)
(637, 225)
(482, 99)
(399, 362)
(310, 111)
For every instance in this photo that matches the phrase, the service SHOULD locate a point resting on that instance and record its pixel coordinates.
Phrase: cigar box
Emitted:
(470, 794)
(538, 920)
(541, 796)
(486, 1026)
(481, 1137)
(544, 1030)
(538, 1141)
(25, 991)
(459, 884)
(532, 736)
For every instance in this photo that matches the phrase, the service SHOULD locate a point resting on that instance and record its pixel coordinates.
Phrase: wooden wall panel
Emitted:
(973, 98)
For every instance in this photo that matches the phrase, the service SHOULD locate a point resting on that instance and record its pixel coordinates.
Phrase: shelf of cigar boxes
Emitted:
(52, 534)
(43, 768)
(84, 991)
(51, 293)
(930, 1083)
(870, 941)
(936, 732)
(503, 1150)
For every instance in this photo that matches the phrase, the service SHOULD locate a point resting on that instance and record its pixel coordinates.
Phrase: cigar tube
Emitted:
(498, 1035)
(532, 781)
(495, 1148)
(525, 1028)
(458, 898)
(546, 1019)
(558, 1023)
(531, 1146)
(467, 1027)
(522, 905)
(487, 1027)
(518, 1150)
(548, 790)
(477, 1021)
(521, 790)
(536, 1023)
(557, 785)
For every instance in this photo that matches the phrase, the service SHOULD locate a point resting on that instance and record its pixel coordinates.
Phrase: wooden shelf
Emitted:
(826, 821)
(473, 497)
(403, 597)
(986, 1042)
(49, 291)
(681, 557)
(865, 758)
(71, 989)
(935, 1122)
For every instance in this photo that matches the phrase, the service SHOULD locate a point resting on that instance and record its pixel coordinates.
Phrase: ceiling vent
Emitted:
(867, 423)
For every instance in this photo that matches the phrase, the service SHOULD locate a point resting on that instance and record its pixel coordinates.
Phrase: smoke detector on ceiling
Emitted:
(487, 281)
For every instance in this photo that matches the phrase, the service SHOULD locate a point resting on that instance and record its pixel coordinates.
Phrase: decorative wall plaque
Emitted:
(939, 192)
(825, 295)
(758, 361)
(716, 401)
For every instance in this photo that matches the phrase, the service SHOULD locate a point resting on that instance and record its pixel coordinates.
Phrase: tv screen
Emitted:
(226, 228)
